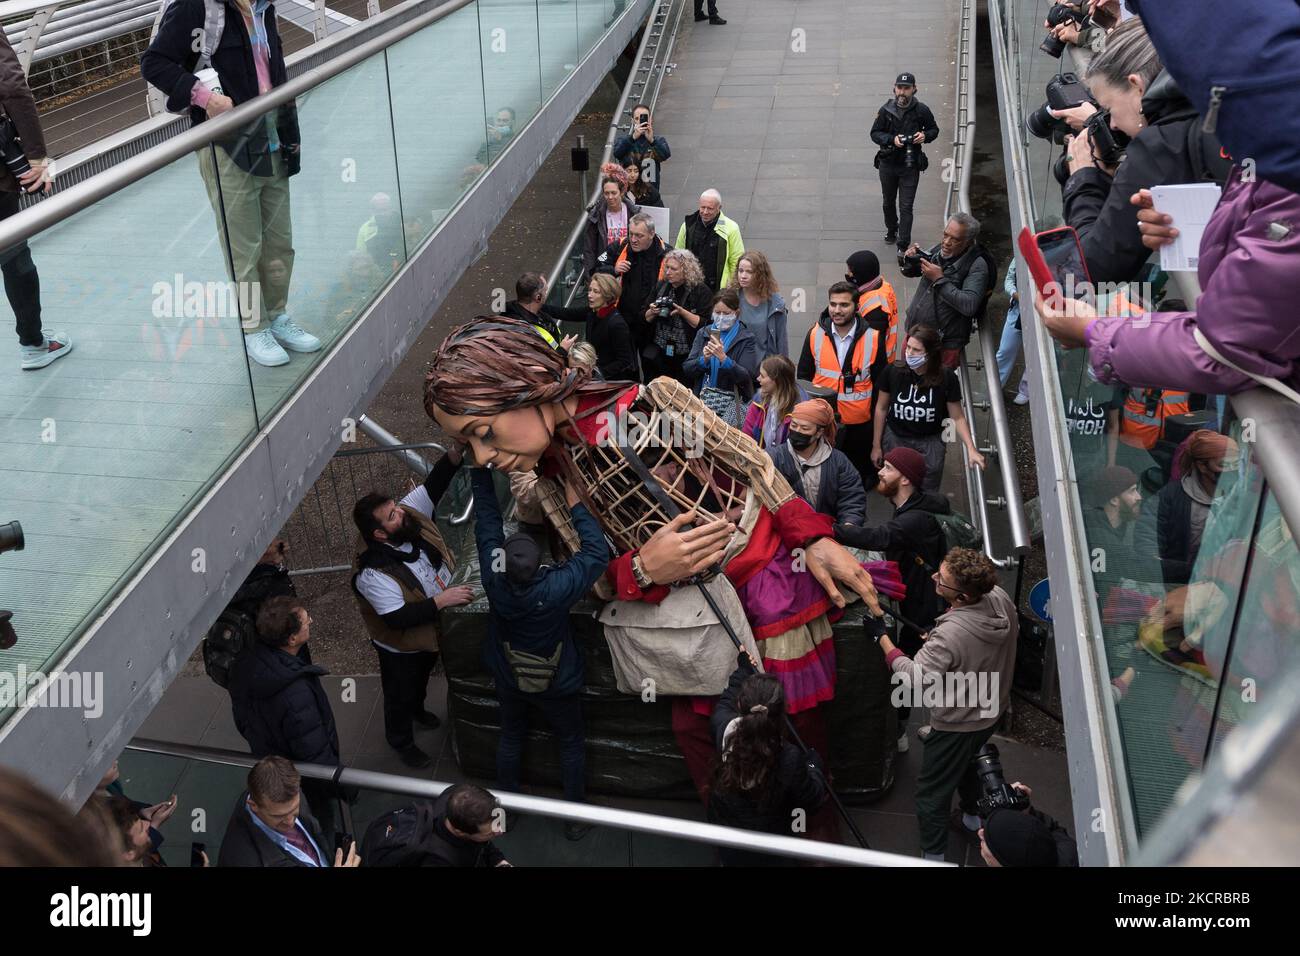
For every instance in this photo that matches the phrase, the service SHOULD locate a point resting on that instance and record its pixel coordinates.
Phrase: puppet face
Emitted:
(507, 441)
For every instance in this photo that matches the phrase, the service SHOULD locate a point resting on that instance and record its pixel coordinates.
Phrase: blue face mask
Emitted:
(723, 321)
(915, 362)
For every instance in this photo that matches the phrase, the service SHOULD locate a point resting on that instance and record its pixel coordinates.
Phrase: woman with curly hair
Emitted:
(498, 387)
(608, 216)
(683, 302)
(762, 310)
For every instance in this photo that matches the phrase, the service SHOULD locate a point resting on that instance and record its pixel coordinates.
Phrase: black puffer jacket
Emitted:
(280, 706)
(1171, 150)
(839, 493)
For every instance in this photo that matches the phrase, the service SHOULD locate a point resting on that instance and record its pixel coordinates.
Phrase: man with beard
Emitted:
(1117, 503)
(913, 539)
(402, 581)
(901, 126)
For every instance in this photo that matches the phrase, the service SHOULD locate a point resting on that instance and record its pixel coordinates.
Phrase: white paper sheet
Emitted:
(1191, 206)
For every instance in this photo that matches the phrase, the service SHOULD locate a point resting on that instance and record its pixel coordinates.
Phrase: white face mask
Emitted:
(915, 362)
(723, 321)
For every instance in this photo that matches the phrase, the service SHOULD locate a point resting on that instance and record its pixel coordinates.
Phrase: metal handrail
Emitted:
(707, 833)
(616, 126)
(62, 205)
(409, 456)
(958, 199)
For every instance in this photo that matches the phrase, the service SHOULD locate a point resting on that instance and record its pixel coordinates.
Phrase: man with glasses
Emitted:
(964, 668)
(913, 540)
(642, 147)
(954, 284)
(638, 263)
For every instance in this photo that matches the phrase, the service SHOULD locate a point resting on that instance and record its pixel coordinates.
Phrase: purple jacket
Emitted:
(1249, 271)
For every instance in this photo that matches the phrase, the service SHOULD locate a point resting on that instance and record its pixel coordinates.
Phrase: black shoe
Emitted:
(414, 757)
(426, 719)
(891, 238)
(700, 16)
(717, 21)
(574, 831)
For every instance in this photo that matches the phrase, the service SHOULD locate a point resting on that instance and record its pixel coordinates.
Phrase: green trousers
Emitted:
(947, 765)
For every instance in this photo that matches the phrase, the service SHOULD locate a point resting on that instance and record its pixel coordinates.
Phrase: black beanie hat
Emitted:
(864, 266)
(1016, 838)
(523, 558)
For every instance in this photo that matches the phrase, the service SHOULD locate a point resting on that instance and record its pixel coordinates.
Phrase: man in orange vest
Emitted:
(1138, 425)
(876, 300)
(844, 354)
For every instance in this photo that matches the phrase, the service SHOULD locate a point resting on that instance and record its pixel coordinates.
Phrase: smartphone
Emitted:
(343, 842)
(196, 854)
(1055, 256)
(715, 337)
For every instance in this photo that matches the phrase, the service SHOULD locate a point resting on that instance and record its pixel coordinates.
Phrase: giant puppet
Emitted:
(500, 388)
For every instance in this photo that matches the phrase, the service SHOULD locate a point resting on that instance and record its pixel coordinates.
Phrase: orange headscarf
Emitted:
(817, 411)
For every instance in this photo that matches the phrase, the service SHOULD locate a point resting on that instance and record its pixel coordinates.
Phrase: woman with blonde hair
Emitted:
(762, 310)
(683, 299)
(604, 329)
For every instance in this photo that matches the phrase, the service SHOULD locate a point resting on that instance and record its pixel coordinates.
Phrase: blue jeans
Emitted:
(564, 714)
(1009, 348)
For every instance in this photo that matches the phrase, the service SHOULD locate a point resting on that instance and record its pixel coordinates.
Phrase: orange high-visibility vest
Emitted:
(1141, 430)
(883, 298)
(853, 407)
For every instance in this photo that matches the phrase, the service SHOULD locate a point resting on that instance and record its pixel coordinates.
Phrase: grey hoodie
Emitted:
(963, 672)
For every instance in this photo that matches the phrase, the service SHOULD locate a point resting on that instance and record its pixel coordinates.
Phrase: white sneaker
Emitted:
(55, 346)
(903, 745)
(1022, 397)
(265, 350)
(923, 732)
(292, 336)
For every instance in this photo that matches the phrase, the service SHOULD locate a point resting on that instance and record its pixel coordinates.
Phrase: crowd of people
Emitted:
(867, 402)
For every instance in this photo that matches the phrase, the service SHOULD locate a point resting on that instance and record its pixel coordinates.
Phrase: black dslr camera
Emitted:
(11, 149)
(1065, 91)
(915, 259)
(11, 539)
(1058, 14)
(663, 306)
(998, 794)
(1108, 145)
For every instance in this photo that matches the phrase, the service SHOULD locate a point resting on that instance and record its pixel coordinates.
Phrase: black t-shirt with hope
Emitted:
(917, 410)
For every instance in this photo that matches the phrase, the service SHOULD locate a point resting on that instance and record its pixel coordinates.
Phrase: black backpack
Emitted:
(399, 837)
(982, 253)
(235, 629)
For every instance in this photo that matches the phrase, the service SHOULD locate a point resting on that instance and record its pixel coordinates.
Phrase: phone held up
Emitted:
(1056, 263)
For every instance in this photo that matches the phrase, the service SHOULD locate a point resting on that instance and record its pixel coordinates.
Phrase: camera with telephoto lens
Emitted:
(1065, 91)
(11, 149)
(1058, 14)
(998, 794)
(663, 306)
(1108, 145)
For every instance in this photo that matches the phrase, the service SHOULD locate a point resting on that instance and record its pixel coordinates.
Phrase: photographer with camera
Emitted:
(643, 147)
(26, 169)
(902, 125)
(680, 301)
(1130, 109)
(972, 643)
(1025, 837)
(957, 277)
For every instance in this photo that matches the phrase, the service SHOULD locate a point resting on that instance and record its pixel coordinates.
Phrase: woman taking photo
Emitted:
(724, 355)
(762, 310)
(683, 301)
(778, 394)
(914, 399)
